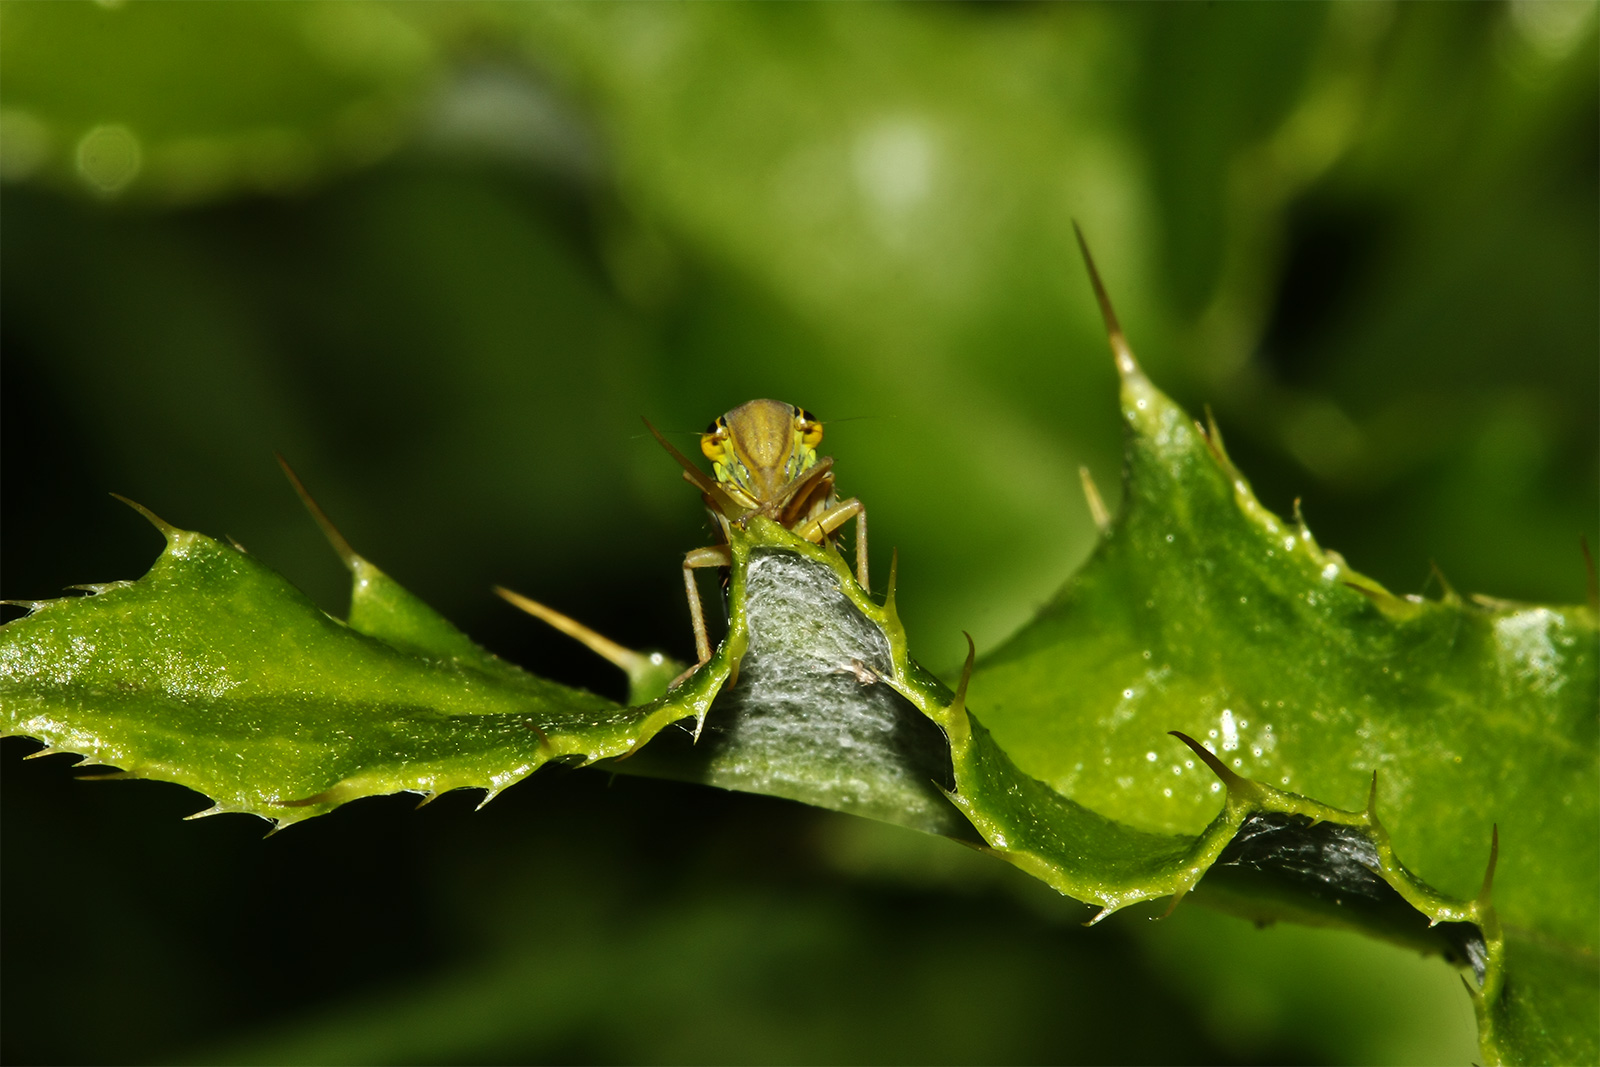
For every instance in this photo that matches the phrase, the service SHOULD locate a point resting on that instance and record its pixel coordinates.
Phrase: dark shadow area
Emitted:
(1332, 871)
(714, 920)
(1333, 247)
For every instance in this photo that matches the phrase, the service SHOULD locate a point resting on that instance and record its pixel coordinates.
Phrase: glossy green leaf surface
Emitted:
(214, 672)
(1365, 233)
(1275, 854)
(1203, 612)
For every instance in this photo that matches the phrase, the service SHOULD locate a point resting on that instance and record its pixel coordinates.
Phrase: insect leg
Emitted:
(804, 485)
(835, 517)
(861, 548)
(697, 559)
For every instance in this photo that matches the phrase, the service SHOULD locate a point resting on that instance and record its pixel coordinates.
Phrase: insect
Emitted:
(764, 458)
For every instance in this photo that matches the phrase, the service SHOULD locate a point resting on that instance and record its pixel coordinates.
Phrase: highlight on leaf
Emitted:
(1200, 613)
(214, 672)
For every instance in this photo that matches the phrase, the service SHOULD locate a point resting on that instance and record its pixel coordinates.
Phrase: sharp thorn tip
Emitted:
(626, 659)
(1127, 366)
(341, 546)
(167, 529)
(1097, 505)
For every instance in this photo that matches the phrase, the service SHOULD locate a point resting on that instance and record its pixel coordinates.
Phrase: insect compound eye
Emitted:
(809, 426)
(712, 442)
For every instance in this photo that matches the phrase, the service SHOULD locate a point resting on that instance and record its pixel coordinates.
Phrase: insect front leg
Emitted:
(698, 559)
(842, 512)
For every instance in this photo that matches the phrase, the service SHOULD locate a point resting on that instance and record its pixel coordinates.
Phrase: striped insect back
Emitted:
(759, 448)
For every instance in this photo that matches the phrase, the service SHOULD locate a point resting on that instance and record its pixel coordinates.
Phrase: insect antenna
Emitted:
(854, 418)
(710, 488)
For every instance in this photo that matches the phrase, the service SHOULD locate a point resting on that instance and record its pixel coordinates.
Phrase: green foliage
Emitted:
(1200, 602)
(358, 73)
(1203, 612)
(215, 673)
(445, 255)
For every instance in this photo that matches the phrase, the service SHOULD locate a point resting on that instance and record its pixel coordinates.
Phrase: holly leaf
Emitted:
(1203, 612)
(214, 672)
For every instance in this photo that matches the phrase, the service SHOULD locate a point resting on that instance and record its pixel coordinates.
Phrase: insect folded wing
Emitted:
(806, 493)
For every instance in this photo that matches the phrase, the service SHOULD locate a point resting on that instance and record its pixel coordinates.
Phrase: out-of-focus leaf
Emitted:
(919, 169)
(110, 96)
(1217, 81)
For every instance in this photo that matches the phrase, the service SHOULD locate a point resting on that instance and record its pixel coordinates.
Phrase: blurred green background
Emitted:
(444, 256)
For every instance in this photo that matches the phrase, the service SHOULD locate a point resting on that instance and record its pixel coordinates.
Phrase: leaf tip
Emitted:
(347, 554)
(1127, 366)
(1211, 434)
(215, 809)
(894, 577)
(1210, 759)
(954, 719)
(959, 704)
(169, 531)
(1447, 592)
(631, 663)
(1394, 607)
(1214, 432)
(1091, 494)
(102, 776)
(1488, 874)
